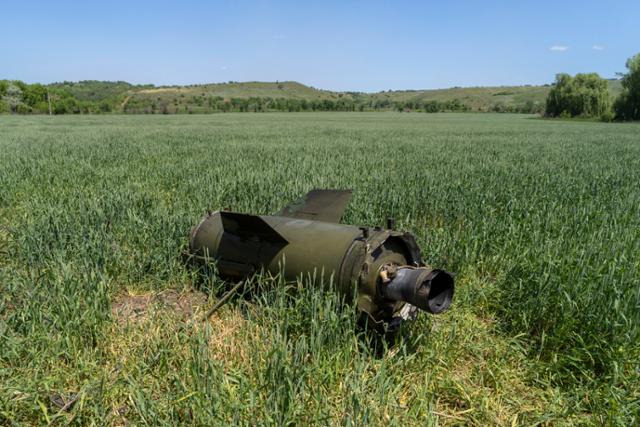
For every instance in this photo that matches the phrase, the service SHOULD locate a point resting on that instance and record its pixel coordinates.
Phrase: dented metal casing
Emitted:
(306, 241)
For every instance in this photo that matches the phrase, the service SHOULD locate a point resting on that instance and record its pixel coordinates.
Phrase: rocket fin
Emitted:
(319, 205)
(250, 227)
(248, 240)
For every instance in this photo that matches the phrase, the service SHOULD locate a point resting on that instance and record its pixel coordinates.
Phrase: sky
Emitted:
(344, 45)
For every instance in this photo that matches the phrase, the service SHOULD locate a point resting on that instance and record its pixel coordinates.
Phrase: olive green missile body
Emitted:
(381, 268)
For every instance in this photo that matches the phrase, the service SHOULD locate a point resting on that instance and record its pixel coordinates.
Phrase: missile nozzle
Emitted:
(429, 290)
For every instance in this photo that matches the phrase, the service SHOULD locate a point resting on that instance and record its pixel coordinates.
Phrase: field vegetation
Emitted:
(101, 323)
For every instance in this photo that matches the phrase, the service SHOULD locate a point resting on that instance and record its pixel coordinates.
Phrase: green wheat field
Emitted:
(101, 323)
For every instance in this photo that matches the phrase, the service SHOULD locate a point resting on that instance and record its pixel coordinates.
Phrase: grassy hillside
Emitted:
(201, 98)
(101, 320)
(241, 90)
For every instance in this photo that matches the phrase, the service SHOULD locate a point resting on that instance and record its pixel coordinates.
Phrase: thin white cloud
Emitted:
(597, 47)
(559, 48)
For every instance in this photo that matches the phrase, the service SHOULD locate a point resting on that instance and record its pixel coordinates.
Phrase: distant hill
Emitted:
(242, 90)
(92, 96)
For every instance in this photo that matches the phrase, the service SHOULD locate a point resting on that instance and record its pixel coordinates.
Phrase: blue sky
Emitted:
(338, 45)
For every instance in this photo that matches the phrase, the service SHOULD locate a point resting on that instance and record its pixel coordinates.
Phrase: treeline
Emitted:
(95, 97)
(218, 104)
(587, 96)
(214, 104)
(59, 98)
(84, 97)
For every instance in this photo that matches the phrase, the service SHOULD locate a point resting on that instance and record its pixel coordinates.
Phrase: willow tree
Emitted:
(585, 95)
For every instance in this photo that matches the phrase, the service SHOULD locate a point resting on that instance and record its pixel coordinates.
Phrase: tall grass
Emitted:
(540, 220)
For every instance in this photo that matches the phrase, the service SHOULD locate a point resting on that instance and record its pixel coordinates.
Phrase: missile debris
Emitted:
(381, 269)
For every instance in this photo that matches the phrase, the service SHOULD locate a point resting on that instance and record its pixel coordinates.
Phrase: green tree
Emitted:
(104, 107)
(4, 106)
(627, 105)
(585, 95)
(33, 94)
(13, 97)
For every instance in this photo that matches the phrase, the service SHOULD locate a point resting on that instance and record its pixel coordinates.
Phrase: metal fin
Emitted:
(319, 205)
(247, 241)
(250, 227)
(245, 225)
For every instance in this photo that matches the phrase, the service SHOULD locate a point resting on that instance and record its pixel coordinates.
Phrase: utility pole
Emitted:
(49, 101)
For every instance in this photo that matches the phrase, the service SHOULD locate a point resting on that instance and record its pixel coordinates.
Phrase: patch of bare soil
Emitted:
(128, 308)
